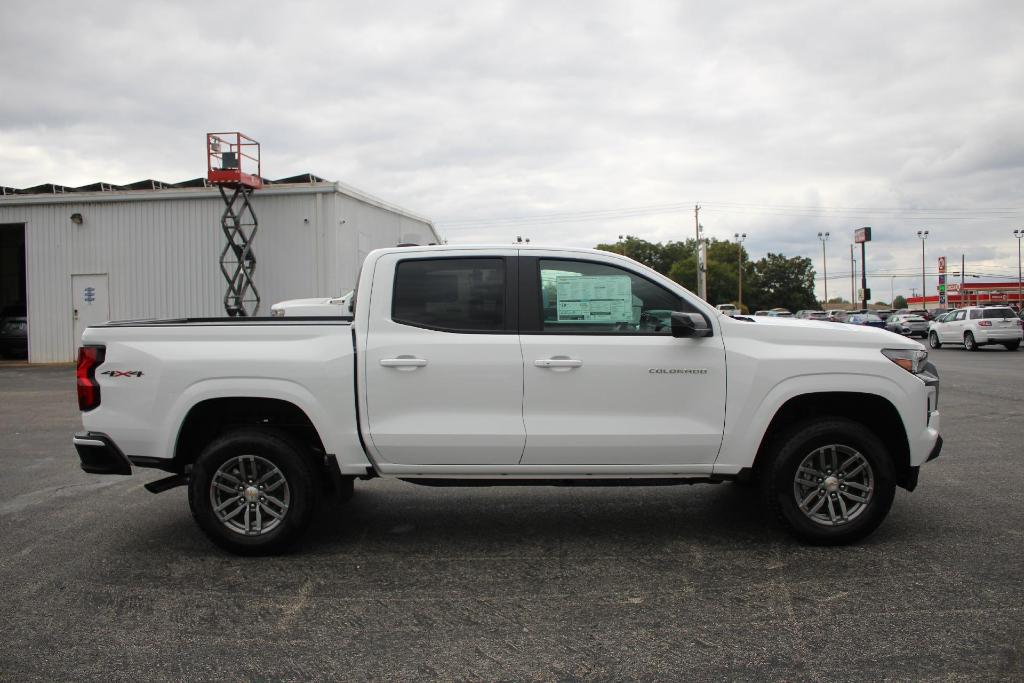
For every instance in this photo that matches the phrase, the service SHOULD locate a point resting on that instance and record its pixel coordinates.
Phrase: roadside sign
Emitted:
(942, 264)
(861, 235)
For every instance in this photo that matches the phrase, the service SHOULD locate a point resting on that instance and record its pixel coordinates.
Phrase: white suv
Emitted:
(976, 326)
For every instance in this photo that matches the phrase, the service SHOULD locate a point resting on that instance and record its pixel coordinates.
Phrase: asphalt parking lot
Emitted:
(103, 580)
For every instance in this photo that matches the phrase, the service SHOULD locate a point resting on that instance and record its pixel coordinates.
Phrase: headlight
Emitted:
(911, 360)
(276, 312)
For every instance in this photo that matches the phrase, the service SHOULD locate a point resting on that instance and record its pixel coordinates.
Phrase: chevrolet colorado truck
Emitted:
(507, 365)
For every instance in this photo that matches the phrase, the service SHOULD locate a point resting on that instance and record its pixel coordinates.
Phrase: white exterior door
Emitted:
(90, 302)
(443, 368)
(605, 383)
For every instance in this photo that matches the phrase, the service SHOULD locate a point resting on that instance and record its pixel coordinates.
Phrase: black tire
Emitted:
(1012, 346)
(295, 467)
(778, 480)
(933, 341)
(969, 343)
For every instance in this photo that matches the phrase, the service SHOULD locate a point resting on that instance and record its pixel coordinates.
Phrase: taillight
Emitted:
(89, 358)
(984, 323)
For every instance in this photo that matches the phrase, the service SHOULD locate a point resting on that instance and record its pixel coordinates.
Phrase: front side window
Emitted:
(451, 294)
(960, 315)
(582, 297)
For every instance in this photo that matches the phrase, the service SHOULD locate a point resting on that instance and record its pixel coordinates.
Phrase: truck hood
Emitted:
(799, 331)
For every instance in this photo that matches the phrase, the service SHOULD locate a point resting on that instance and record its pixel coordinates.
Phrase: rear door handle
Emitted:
(558, 363)
(403, 362)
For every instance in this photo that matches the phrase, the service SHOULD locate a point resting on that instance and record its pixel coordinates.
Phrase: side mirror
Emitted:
(689, 325)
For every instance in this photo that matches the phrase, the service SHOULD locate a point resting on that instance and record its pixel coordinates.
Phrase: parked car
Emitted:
(908, 325)
(728, 309)
(777, 313)
(883, 313)
(977, 326)
(834, 313)
(868, 319)
(426, 383)
(810, 315)
(14, 332)
(763, 313)
(924, 313)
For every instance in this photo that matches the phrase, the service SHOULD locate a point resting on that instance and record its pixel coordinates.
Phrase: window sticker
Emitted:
(594, 299)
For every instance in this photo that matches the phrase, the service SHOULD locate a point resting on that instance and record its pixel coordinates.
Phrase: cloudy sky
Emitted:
(565, 122)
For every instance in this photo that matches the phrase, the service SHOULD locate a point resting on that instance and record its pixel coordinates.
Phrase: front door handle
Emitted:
(558, 363)
(403, 362)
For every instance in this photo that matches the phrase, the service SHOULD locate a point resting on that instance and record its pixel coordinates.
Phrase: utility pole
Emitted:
(739, 268)
(963, 268)
(924, 290)
(824, 266)
(702, 287)
(853, 277)
(1020, 302)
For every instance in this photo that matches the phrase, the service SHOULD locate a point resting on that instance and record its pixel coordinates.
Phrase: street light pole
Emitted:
(1020, 302)
(923, 235)
(824, 265)
(739, 268)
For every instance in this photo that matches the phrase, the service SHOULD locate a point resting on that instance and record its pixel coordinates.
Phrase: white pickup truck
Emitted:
(508, 365)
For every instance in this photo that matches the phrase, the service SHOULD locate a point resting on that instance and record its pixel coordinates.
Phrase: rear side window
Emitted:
(999, 313)
(450, 294)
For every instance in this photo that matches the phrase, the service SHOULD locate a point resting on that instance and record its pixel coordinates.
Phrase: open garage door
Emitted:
(13, 309)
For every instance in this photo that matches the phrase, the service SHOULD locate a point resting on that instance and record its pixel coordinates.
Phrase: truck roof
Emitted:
(483, 247)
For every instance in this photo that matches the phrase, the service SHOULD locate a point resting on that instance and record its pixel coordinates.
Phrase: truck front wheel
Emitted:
(253, 492)
(831, 481)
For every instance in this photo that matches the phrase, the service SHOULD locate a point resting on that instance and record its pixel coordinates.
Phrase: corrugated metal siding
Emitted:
(162, 255)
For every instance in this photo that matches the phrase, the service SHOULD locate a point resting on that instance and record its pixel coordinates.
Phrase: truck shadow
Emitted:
(470, 519)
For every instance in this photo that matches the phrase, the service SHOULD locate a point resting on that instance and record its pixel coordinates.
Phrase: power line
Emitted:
(904, 213)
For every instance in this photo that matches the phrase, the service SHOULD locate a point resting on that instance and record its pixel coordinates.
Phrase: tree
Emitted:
(899, 302)
(772, 281)
(655, 255)
(837, 300)
(783, 282)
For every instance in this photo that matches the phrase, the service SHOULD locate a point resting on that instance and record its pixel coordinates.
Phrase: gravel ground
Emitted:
(103, 580)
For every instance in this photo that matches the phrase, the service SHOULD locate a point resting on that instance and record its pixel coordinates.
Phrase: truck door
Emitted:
(605, 383)
(443, 368)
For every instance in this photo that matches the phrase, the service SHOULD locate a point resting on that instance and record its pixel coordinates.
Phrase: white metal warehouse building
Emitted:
(75, 256)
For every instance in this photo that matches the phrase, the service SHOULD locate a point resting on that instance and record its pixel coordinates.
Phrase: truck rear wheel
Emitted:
(831, 482)
(253, 492)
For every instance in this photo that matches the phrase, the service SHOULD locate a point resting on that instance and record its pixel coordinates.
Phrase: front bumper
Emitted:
(99, 454)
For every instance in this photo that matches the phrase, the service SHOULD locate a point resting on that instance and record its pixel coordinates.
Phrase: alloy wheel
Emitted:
(834, 485)
(250, 495)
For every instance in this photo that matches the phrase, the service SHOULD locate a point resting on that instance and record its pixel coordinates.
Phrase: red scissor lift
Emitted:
(233, 165)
